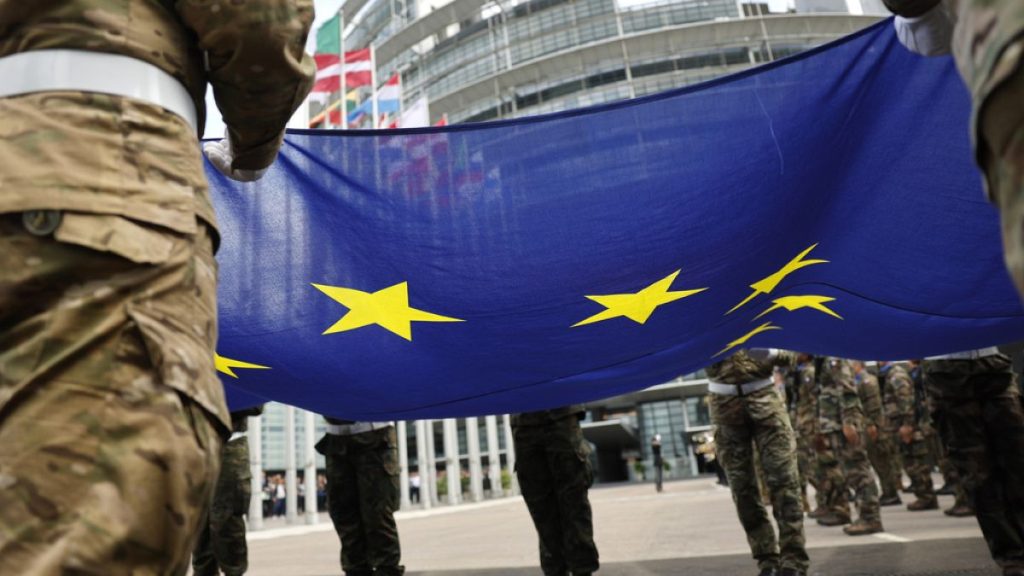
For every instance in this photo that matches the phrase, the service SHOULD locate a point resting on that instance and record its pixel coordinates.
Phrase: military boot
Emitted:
(792, 572)
(818, 512)
(959, 511)
(923, 504)
(891, 500)
(862, 527)
(834, 519)
(946, 490)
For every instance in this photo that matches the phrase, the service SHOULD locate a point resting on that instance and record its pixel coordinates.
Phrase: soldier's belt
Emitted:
(738, 389)
(84, 71)
(357, 428)
(967, 355)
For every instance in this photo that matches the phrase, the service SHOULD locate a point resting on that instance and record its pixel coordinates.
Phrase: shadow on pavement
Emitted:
(959, 557)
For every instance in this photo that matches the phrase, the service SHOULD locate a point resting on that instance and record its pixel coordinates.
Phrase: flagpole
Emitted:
(344, 91)
(373, 84)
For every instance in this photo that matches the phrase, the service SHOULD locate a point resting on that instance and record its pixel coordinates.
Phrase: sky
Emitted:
(324, 10)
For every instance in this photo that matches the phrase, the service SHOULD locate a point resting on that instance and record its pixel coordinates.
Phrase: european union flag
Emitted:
(824, 203)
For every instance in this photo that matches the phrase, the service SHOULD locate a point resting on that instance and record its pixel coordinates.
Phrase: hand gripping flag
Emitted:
(825, 203)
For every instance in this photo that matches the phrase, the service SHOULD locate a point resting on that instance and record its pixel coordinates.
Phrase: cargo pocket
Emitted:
(117, 235)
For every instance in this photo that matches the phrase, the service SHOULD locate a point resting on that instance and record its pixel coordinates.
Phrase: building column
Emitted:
(256, 470)
(476, 478)
(430, 480)
(291, 507)
(494, 456)
(421, 464)
(510, 456)
(403, 465)
(309, 465)
(452, 470)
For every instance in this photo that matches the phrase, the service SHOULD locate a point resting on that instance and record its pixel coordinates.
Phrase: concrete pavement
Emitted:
(689, 528)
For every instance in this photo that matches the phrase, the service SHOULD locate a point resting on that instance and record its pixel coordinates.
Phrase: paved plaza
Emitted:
(689, 528)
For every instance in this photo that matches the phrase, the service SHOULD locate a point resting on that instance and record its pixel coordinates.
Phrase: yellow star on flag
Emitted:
(743, 339)
(638, 307)
(224, 365)
(388, 308)
(769, 283)
(793, 303)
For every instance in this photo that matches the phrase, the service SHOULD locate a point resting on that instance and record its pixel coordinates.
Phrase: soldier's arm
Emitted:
(257, 66)
(851, 409)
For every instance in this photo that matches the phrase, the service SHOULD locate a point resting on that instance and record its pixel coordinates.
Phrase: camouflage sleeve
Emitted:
(852, 412)
(902, 388)
(257, 66)
(785, 359)
(910, 8)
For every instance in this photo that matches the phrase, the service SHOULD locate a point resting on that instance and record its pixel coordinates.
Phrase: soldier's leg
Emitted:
(860, 479)
(569, 460)
(882, 464)
(985, 427)
(537, 485)
(106, 468)
(343, 507)
(837, 499)
(377, 472)
(919, 469)
(776, 443)
(203, 561)
(734, 442)
(230, 505)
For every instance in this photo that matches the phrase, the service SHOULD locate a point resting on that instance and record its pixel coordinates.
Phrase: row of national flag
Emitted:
(347, 91)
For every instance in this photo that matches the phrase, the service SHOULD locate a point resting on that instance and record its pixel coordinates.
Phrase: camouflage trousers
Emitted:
(758, 421)
(1001, 154)
(221, 546)
(106, 465)
(833, 493)
(858, 475)
(915, 463)
(884, 460)
(983, 424)
(553, 468)
(362, 496)
(807, 467)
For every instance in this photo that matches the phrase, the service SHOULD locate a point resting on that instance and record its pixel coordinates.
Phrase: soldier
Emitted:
(363, 494)
(983, 424)
(805, 391)
(879, 445)
(841, 419)
(221, 546)
(111, 413)
(750, 415)
(903, 426)
(986, 38)
(553, 467)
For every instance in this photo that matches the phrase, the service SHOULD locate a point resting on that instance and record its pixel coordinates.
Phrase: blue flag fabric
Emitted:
(826, 203)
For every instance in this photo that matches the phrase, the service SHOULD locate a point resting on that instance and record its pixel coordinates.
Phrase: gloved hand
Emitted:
(221, 156)
(930, 34)
(872, 432)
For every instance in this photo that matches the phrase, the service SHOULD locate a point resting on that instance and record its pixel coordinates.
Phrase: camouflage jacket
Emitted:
(838, 402)
(806, 420)
(870, 398)
(899, 396)
(94, 153)
(744, 366)
(544, 417)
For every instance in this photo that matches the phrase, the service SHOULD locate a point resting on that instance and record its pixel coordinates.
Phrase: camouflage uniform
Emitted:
(110, 409)
(835, 494)
(988, 45)
(221, 545)
(362, 496)
(839, 407)
(806, 425)
(881, 451)
(758, 421)
(901, 410)
(554, 472)
(983, 424)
